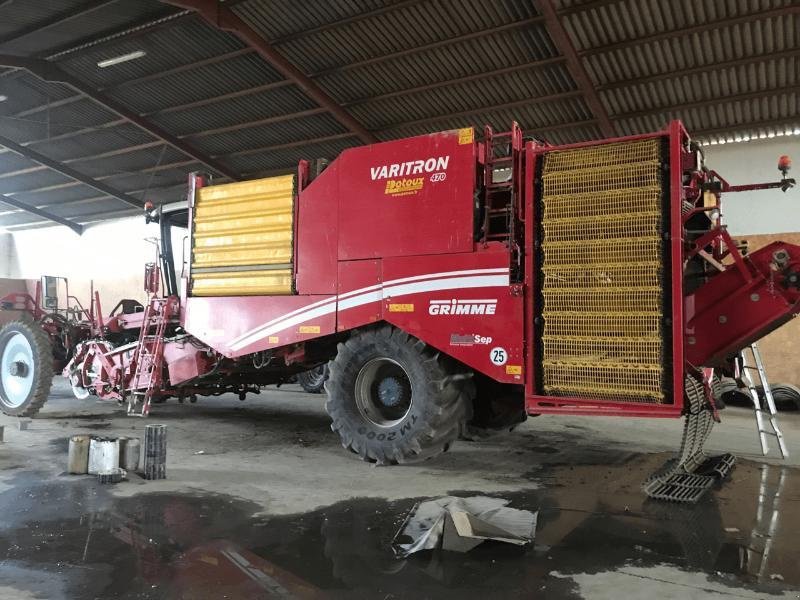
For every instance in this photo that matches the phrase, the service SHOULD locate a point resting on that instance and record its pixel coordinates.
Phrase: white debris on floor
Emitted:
(460, 524)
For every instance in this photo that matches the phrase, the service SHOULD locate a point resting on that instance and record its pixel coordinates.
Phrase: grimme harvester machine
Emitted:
(452, 283)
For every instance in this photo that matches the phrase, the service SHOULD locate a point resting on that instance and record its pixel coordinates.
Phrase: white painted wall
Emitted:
(112, 254)
(8, 257)
(769, 211)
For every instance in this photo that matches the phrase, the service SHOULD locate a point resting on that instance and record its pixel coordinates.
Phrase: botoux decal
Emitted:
(408, 178)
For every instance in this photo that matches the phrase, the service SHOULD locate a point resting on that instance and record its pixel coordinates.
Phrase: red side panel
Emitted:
(738, 307)
(407, 197)
(359, 293)
(239, 325)
(317, 234)
(463, 306)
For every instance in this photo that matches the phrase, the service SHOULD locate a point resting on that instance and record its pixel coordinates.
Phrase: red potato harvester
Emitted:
(454, 284)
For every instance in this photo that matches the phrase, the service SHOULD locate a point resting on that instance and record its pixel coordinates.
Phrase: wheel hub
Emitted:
(390, 391)
(383, 392)
(16, 369)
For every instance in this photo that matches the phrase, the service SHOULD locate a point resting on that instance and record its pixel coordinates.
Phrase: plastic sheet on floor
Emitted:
(461, 524)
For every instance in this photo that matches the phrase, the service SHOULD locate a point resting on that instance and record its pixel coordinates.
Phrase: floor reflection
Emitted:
(592, 518)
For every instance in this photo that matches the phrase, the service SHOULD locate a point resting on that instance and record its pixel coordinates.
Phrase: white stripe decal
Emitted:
(236, 342)
(477, 281)
(418, 287)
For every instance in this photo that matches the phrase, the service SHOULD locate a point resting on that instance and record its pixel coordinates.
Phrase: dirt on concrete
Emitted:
(261, 501)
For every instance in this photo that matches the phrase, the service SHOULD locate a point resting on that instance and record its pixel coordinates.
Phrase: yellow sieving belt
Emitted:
(602, 273)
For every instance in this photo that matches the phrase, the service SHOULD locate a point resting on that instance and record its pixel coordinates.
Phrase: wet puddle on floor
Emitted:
(70, 538)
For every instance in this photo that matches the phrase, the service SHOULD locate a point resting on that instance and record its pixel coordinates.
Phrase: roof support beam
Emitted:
(221, 16)
(110, 36)
(415, 50)
(686, 31)
(91, 199)
(68, 172)
(505, 28)
(159, 75)
(708, 68)
(777, 124)
(86, 220)
(528, 66)
(77, 228)
(61, 17)
(586, 6)
(481, 110)
(756, 95)
(500, 29)
(50, 72)
(362, 16)
(575, 66)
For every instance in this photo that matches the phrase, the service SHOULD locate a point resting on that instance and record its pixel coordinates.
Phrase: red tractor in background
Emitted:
(452, 284)
(65, 327)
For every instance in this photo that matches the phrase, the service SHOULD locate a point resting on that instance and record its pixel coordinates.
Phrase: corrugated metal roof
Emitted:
(27, 14)
(255, 107)
(407, 26)
(166, 48)
(82, 19)
(626, 21)
(401, 68)
(321, 125)
(210, 81)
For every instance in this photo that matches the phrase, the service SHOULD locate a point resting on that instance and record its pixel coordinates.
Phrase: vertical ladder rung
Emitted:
(771, 410)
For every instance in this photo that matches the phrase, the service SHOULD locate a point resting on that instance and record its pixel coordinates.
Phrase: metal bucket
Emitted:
(78, 455)
(103, 455)
(129, 451)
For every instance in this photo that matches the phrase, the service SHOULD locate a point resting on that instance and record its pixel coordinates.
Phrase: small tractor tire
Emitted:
(26, 368)
(394, 399)
(313, 380)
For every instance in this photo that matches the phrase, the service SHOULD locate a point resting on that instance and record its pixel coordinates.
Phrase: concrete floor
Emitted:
(262, 501)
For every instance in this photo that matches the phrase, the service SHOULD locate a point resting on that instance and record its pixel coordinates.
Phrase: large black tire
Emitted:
(313, 380)
(26, 368)
(786, 396)
(393, 399)
(496, 409)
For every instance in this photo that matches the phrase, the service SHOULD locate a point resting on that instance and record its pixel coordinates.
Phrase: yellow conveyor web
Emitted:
(601, 268)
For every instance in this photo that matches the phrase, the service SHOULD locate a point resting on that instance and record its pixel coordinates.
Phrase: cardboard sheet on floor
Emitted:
(460, 524)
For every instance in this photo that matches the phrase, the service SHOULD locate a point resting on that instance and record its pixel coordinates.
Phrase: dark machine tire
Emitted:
(26, 368)
(313, 380)
(393, 399)
(497, 409)
(786, 396)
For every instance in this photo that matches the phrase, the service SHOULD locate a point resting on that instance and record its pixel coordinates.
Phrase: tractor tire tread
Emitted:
(443, 421)
(43, 356)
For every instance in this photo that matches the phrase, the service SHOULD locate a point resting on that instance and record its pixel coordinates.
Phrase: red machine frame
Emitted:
(344, 283)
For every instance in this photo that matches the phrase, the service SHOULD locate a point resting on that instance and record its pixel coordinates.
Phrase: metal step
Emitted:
(771, 411)
(692, 473)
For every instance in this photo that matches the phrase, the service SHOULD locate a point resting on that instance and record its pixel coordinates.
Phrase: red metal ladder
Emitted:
(503, 151)
(148, 356)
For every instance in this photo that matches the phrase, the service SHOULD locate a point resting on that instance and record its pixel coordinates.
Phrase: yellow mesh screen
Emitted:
(601, 272)
(242, 238)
